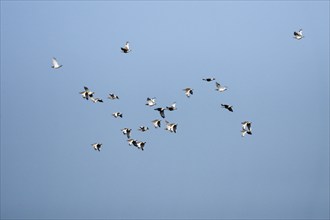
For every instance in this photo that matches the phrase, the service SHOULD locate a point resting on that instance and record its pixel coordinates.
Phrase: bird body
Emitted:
(171, 107)
(156, 123)
(143, 128)
(55, 65)
(188, 91)
(95, 100)
(208, 79)
(171, 126)
(151, 102)
(97, 146)
(125, 49)
(127, 132)
(298, 34)
(140, 144)
(117, 114)
(246, 125)
(131, 142)
(87, 93)
(228, 107)
(113, 96)
(219, 87)
(246, 128)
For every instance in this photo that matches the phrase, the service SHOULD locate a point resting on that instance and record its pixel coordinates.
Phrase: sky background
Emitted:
(206, 169)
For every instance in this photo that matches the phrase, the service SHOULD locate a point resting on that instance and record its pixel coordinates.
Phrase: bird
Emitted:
(140, 144)
(188, 91)
(131, 142)
(87, 93)
(219, 87)
(125, 49)
(97, 146)
(113, 96)
(156, 123)
(127, 132)
(117, 114)
(172, 107)
(161, 111)
(246, 125)
(171, 126)
(55, 65)
(228, 107)
(95, 100)
(298, 34)
(151, 101)
(208, 79)
(143, 128)
(244, 132)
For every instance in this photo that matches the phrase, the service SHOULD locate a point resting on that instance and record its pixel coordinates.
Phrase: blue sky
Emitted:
(206, 169)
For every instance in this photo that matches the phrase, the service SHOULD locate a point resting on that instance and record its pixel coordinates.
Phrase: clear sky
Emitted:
(206, 169)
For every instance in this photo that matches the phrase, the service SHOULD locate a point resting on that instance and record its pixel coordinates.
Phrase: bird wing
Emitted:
(162, 113)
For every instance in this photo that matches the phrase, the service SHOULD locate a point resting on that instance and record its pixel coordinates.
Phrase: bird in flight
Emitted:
(228, 107)
(188, 91)
(246, 128)
(208, 79)
(125, 49)
(151, 101)
(127, 132)
(117, 114)
(131, 142)
(97, 146)
(298, 34)
(139, 144)
(143, 128)
(55, 65)
(161, 111)
(113, 96)
(246, 125)
(219, 87)
(156, 123)
(95, 100)
(172, 107)
(171, 126)
(87, 93)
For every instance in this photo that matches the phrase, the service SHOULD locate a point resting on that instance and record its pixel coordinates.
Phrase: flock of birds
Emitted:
(171, 127)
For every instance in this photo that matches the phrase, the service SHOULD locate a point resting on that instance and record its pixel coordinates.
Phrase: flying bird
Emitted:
(156, 123)
(97, 146)
(140, 144)
(55, 65)
(125, 49)
(246, 125)
(228, 107)
(151, 102)
(188, 91)
(87, 93)
(208, 79)
(95, 100)
(161, 111)
(219, 87)
(131, 142)
(117, 114)
(171, 107)
(298, 34)
(127, 132)
(143, 128)
(171, 126)
(113, 96)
